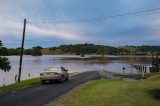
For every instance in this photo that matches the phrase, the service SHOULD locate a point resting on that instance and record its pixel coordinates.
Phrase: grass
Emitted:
(73, 74)
(146, 75)
(105, 73)
(16, 86)
(24, 84)
(114, 93)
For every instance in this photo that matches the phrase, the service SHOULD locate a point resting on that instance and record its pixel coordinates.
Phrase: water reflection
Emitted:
(34, 65)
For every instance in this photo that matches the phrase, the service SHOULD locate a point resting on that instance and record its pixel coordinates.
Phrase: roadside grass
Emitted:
(73, 74)
(148, 74)
(114, 93)
(25, 84)
(133, 75)
(22, 84)
(105, 73)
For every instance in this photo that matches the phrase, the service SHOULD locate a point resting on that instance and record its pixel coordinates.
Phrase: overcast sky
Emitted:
(141, 29)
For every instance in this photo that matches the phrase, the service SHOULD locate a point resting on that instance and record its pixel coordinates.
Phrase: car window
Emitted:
(63, 69)
(52, 69)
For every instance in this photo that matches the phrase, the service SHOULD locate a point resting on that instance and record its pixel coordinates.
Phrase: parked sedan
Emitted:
(54, 73)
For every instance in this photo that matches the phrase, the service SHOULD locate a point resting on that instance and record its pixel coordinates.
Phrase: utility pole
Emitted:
(21, 56)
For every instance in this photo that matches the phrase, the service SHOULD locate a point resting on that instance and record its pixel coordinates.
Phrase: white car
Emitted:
(54, 73)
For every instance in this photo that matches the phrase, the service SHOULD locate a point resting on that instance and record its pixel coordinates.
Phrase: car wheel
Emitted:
(43, 81)
(67, 78)
(62, 79)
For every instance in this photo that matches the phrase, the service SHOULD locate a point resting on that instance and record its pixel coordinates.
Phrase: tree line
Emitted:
(4, 61)
(84, 49)
(35, 51)
(110, 50)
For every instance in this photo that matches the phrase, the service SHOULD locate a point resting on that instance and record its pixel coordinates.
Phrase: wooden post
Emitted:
(152, 59)
(21, 55)
(139, 69)
(145, 69)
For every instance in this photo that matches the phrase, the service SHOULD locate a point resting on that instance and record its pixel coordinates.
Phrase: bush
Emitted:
(5, 64)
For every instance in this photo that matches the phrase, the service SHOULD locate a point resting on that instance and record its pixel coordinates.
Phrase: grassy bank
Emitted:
(24, 84)
(73, 74)
(128, 75)
(115, 93)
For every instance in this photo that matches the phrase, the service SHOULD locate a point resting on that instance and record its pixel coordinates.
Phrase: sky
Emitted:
(47, 22)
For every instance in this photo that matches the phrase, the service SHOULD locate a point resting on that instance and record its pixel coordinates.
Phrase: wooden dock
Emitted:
(142, 68)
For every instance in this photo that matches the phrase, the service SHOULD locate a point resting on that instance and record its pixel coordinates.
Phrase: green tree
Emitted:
(1, 44)
(102, 51)
(36, 51)
(28, 51)
(93, 49)
(4, 51)
(4, 62)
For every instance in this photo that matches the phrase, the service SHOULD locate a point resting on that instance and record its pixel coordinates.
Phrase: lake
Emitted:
(34, 65)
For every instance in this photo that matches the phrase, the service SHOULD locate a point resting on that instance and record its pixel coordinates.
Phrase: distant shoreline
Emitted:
(89, 56)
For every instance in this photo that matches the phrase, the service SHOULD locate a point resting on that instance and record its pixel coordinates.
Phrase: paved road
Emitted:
(39, 95)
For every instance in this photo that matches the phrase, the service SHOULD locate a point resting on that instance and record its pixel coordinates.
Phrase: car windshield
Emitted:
(52, 69)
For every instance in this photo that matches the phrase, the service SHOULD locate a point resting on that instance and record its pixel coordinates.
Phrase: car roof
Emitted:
(54, 66)
(48, 69)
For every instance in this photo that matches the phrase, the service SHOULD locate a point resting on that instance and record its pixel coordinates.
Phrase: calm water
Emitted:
(34, 65)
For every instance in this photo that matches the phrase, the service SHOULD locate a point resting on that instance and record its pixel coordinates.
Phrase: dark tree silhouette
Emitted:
(36, 51)
(102, 51)
(4, 62)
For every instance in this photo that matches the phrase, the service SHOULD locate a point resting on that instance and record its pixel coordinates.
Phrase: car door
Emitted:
(65, 73)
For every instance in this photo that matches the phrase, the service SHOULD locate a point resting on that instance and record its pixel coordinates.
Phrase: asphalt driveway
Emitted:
(39, 95)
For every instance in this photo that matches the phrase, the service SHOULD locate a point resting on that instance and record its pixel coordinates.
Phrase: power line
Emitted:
(98, 18)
